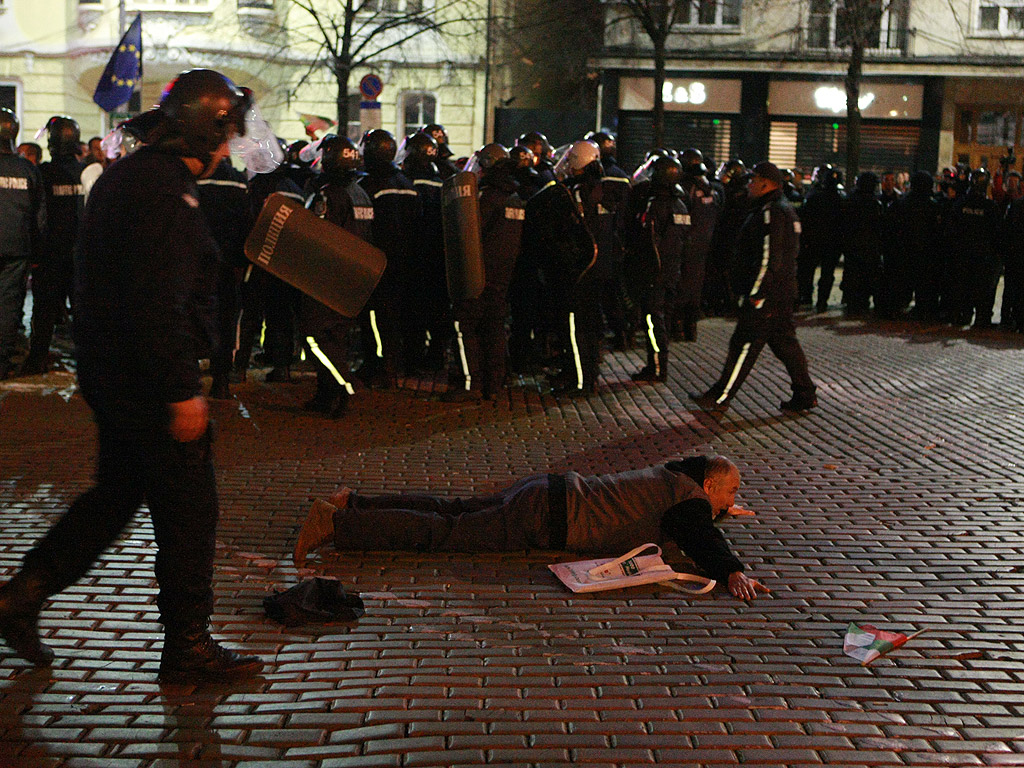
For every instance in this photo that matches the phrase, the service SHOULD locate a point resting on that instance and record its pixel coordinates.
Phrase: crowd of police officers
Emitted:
(578, 257)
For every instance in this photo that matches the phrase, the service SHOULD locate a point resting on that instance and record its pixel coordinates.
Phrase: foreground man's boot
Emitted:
(20, 601)
(193, 656)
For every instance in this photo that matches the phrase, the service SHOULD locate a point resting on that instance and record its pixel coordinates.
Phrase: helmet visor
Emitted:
(257, 147)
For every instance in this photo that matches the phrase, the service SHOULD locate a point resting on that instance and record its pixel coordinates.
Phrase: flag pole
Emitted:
(122, 17)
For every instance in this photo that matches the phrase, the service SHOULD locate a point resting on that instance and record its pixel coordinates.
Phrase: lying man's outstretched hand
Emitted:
(740, 512)
(744, 587)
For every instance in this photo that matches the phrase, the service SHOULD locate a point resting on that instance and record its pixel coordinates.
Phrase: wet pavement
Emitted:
(897, 502)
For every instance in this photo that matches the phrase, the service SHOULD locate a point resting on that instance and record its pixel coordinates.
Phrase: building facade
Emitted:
(52, 53)
(755, 79)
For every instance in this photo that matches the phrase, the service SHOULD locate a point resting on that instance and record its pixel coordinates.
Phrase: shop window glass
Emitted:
(418, 110)
(996, 127)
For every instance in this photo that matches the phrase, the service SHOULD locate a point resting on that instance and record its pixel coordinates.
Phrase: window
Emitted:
(169, 5)
(398, 6)
(828, 26)
(9, 95)
(711, 13)
(1005, 17)
(418, 109)
(987, 126)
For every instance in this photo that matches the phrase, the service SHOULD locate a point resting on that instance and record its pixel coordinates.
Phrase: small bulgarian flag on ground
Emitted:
(314, 123)
(867, 643)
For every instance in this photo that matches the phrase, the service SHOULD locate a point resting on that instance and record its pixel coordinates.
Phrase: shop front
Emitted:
(699, 112)
(808, 127)
(985, 115)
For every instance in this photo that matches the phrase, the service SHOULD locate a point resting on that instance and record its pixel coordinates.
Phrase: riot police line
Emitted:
(515, 261)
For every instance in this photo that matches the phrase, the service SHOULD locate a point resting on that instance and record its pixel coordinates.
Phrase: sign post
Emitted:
(370, 88)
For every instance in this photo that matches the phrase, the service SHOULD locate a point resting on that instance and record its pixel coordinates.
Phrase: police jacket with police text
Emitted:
(343, 202)
(144, 280)
(766, 254)
(62, 182)
(501, 228)
(22, 208)
(975, 225)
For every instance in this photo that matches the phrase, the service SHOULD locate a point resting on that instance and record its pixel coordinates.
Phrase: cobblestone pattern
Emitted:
(896, 502)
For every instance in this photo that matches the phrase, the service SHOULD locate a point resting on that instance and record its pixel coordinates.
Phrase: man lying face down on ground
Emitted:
(677, 501)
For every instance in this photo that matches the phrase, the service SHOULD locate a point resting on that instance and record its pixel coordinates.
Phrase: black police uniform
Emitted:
(916, 230)
(862, 219)
(224, 202)
(144, 271)
(821, 217)
(52, 277)
(22, 220)
(427, 322)
(615, 186)
(973, 273)
(766, 280)
(395, 214)
(263, 296)
(718, 296)
(1012, 314)
(345, 203)
(480, 345)
(657, 245)
(703, 205)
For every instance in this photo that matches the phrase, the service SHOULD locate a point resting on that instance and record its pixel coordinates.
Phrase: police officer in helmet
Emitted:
(142, 286)
(22, 220)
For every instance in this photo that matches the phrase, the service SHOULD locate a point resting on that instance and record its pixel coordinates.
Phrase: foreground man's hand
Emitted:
(189, 419)
(744, 587)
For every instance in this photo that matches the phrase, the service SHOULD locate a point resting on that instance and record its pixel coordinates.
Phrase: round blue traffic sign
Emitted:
(370, 87)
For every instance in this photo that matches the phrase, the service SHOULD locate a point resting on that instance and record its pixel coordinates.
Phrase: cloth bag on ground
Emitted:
(630, 570)
(314, 601)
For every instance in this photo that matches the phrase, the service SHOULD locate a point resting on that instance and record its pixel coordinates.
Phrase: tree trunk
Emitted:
(341, 76)
(853, 78)
(659, 84)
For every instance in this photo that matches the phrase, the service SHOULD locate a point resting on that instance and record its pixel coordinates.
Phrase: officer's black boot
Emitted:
(21, 598)
(191, 655)
(219, 387)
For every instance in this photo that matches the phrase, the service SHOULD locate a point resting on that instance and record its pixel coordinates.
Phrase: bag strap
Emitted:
(707, 584)
(614, 568)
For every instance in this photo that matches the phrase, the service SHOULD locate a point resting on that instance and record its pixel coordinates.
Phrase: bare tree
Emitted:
(351, 34)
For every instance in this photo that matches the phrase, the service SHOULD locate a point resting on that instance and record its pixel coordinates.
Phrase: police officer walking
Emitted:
(766, 281)
(51, 279)
(143, 274)
(339, 200)
(22, 220)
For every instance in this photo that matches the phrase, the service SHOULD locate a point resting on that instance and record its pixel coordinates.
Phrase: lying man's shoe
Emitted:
(315, 532)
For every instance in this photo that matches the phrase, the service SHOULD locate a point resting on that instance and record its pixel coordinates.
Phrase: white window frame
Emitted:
(377, 6)
(695, 24)
(1002, 28)
(400, 116)
(176, 6)
(885, 27)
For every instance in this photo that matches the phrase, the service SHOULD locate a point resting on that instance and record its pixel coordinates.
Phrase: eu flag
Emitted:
(124, 70)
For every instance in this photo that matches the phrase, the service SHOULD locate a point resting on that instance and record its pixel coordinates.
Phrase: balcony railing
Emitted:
(893, 42)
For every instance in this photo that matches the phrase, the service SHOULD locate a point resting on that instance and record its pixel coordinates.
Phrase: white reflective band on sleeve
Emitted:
(654, 345)
(248, 273)
(293, 196)
(575, 350)
(614, 178)
(765, 253)
(681, 218)
(326, 361)
(221, 183)
(735, 374)
(428, 183)
(549, 184)
(395, 192)
(376, 333)
(463, 360)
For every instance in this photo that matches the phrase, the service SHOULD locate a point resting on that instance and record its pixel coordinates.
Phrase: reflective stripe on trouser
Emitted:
(653, 338)
(734, 375)
(575, 350)
(463, 359)
(326, 362)
(376, 333)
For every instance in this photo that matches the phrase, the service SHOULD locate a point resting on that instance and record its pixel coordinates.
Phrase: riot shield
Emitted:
(463, 250)
(319, 258)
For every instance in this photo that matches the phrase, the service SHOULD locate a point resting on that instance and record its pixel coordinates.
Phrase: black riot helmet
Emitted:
(291, 153)
(419, 152)
(979, 180)
(379, 148)
(437, 132)
(731, 172)
(537, 143)
(666, 172)
(339, 156)
(8, 131)
(63, 136)
(202, 110)
(605, 142)
(827, 176)
(523, 157)
(867, 181)
(692, 160)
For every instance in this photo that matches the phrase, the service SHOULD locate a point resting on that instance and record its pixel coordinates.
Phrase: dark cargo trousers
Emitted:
(530, 514)
(13, 274)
